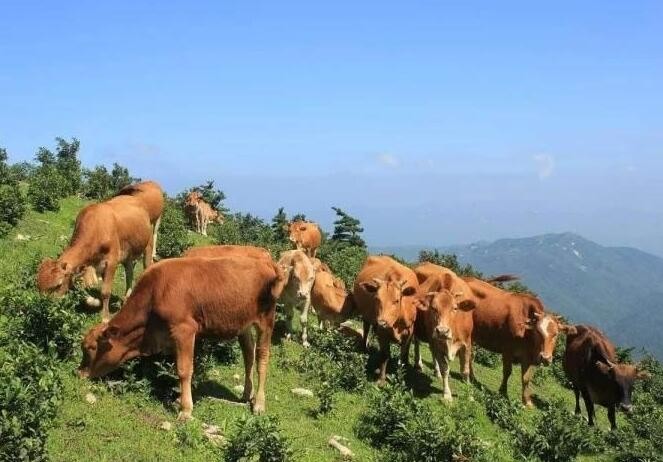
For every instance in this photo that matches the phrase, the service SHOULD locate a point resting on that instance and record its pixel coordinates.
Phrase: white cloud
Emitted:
(545, 165)
(388, 160)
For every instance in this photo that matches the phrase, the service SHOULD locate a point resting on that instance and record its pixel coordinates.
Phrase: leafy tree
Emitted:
(21, 171)
(299, 217)
(279, 225)
(12, 202)
(347, 229)
(100, 184)
(68, 164)
(173, 234)
(45, 189)
(4, 168)
(448, 261)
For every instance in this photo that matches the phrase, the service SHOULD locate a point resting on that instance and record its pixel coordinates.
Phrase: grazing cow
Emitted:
(106, 234)
(329, 297)
(306, 236)
(217, 251)
(516, 326)
(590, 364)
(301, 275)
(384, 296)
(444, 320)
(151, 195)
(179, 299)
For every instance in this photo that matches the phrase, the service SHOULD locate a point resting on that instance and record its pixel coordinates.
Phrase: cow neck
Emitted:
(79, 253)
(131, 320)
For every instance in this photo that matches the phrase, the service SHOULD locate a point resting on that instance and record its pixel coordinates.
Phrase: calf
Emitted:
(444, 321)
(516, 326)
(590, 364)
(116, 231)
(306, 236)
(384, 296)
(300, 274)
(179, 299)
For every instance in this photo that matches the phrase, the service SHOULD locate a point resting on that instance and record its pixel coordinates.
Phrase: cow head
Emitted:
(545, 328)
(103, 351)
(622, 379)
(295, 230)
(396, 310)
(54, 277)
(299, 274)
(193, 198)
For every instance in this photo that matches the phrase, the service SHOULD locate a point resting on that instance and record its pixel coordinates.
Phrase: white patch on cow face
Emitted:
(543, 326)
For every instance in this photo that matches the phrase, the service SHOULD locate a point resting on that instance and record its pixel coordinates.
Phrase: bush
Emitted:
(46, 189)
(100, 184)
(30, 386)
(501, 410)
(244, 229)
(258, 439)
(12, 205)
(173, 236)
(485, 357)
(345, 261)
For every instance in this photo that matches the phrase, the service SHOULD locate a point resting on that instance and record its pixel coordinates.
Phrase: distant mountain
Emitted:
(618, 289)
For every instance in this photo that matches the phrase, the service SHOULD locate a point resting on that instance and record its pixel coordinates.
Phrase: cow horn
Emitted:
(537, 315)
(610, 364)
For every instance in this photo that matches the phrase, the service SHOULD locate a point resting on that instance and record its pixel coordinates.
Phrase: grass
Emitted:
(126, 426)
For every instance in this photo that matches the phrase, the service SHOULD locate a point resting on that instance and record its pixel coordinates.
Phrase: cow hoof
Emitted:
(305, 344)
(529, 405)
(447, 398)
(184, 416)
(258, 408)
(247, 397)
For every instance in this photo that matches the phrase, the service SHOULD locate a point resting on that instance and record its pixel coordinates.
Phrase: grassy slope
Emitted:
(126, 427)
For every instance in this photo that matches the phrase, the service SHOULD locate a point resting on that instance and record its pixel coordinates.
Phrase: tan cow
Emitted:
(106, 234)
(180, 299)
(329, 298)
(384, 295)
(590, 364)
(200, 212)
(306, 236)
(152, 197)
(444, 321)
(217, 251)
(301, 276)
(516, 326)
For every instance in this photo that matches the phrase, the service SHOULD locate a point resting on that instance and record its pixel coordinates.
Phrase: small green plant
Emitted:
(485, 357)
(46, 189)
(12, 207)
(173, 234)
(191, 435)
(501, 410)
(258, 439)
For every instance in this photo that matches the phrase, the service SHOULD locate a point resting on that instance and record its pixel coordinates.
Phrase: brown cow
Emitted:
(301, 275)
(179, 299)
(329, 297)
(306, 236)
(590, 364)
(200, 213)
(217, 251)
(516, 326)
(151, 195)
(444, 320)
(384, 296)
(106, 234)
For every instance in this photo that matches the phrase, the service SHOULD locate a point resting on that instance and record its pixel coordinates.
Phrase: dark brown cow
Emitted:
(590, 363)
(516, 326)
(179, 299)
(444, 321)
(384, 296)
(306, 236)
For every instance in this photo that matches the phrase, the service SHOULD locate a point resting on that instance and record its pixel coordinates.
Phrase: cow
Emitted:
(191, 206)
(384, 296)
(329, 297)
(152, 197)
(517, 326)
(300, 273)
(590, 364)
(200, 213)
(113, 232)
(444, 321)
(306, 236)
(217, 251)
(177, 300)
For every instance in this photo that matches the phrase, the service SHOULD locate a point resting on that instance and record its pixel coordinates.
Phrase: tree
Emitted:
(279, 226)
(68, 164)
(211, 195)
(347, 229)
(448, 261)
(299, 217)
(12, 202)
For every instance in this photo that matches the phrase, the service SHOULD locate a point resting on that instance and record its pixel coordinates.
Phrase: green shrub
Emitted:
(173, 236)
(191, 435)
(46, 189)
(258, 439)
(501, 410)
(30, 386)
(485, 357)
(12, 205)
(244, 229)
(344, 260)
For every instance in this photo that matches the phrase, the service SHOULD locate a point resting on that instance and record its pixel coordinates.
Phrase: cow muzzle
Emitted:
(626, 408)
(442, 332)
(545, 360)
(84, 373)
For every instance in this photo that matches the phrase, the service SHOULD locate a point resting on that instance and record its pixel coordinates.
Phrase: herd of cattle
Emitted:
(226, 291)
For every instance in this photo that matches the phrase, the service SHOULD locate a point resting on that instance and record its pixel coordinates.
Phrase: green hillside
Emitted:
(122, 420)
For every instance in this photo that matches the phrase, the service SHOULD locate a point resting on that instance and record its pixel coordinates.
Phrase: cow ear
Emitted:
(408, 291)
(421, 303)
(370, 286)
(467, 305)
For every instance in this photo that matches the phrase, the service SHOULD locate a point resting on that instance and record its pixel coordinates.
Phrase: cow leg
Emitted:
(364, 334)
(262, 357)
(527, 370)
(185, 339)
(436, 363)
(465, 354)
(384, 359)
(611, 417)
(418, 364)
(577, 393)
(154, 238)
(507, 366)
(249, 353)
(148, 253)
(106, 288)
(442, 363)
(589, 404)
(128, 276)
(405, 352)
(303, 320)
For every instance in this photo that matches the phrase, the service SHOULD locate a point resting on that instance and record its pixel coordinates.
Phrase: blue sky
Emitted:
(434, 122)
